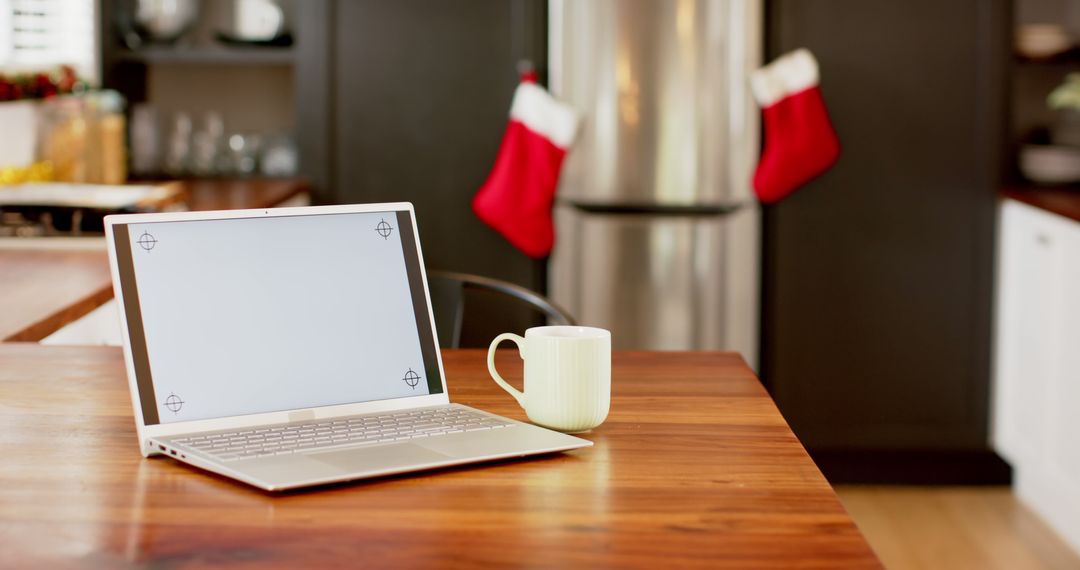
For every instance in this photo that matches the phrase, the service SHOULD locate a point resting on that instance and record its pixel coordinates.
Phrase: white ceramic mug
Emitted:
(567, 375)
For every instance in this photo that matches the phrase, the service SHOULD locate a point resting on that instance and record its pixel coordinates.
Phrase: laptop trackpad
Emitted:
(379, 458)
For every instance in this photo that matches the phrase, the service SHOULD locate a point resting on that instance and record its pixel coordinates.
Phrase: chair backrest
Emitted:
(448, 302)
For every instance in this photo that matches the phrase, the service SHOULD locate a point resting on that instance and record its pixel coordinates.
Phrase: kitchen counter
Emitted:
(44, 288)
(1060, 201)
(239, 194)
(47, 283)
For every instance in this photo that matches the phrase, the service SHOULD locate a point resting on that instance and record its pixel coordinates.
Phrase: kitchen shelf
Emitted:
(211, 55)
(1067, 58)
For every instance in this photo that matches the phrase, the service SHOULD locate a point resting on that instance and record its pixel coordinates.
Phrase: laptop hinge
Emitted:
(301, 416)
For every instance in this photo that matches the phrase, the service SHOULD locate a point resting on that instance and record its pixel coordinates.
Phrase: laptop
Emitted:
(293, 347)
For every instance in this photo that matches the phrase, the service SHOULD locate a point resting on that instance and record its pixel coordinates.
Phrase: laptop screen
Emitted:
(250, 315)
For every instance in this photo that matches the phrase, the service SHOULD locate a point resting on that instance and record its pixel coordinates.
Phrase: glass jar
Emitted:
(62, 138)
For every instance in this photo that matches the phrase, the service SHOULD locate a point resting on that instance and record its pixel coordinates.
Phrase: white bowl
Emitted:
(1050, 164)
(1042, 40)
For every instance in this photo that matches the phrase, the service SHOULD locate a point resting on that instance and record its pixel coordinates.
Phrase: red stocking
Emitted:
(518, 195)
(800, 143)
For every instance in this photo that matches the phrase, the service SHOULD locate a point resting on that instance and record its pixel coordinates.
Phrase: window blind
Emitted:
(42, 34)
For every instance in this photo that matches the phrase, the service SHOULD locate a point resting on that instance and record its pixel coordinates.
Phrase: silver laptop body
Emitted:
(293, 347)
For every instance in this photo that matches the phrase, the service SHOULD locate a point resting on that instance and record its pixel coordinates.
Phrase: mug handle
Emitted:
(519, 341)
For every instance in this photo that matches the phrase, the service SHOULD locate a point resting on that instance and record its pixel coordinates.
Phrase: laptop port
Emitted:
(172, 451)
(161, 447)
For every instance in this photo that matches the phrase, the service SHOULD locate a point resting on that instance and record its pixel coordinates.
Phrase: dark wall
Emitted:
(878, 275)
(420, 94)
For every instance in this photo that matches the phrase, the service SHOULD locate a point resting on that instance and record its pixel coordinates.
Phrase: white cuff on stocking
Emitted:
(789, 74)
(544, 115)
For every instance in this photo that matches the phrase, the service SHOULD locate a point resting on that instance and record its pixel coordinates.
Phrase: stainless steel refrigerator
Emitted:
(657, 228)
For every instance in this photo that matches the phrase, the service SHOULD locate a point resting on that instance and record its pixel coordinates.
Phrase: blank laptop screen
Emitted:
(251, 315)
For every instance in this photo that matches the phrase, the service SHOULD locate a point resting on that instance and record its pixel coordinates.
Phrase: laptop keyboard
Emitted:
(339, 432)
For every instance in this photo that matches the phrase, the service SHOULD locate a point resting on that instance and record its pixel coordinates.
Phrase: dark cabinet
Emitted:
(419, 95)
(877, 277)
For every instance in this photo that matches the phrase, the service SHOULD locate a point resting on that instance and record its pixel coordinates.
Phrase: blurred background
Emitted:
(914, 311)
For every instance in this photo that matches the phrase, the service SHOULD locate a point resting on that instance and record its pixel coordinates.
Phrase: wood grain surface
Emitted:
(694, 467)
(1060, 201)
(977, 528)
(43, 290)
(242, 193)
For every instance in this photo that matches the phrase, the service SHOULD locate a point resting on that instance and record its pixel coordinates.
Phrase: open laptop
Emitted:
(293, 347)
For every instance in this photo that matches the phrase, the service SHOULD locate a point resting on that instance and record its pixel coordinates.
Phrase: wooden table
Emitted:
(694, 467)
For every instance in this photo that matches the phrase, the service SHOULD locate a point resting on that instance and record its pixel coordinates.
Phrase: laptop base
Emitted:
(319, 467)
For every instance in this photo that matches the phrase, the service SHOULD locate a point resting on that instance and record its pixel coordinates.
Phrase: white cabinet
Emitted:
(1036, 396)
(1029, 296)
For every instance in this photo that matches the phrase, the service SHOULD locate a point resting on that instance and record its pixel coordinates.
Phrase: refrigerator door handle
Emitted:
(688, 210)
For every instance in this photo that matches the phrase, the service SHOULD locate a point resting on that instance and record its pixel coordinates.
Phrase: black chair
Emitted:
(448, 291)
